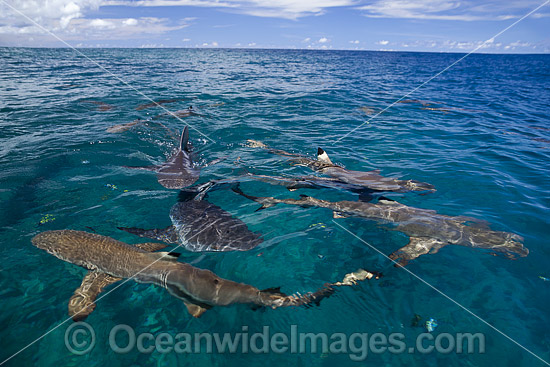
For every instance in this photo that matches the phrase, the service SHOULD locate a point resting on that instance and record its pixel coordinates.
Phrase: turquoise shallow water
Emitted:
(487, 152)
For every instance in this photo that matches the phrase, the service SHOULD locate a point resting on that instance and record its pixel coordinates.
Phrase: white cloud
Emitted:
(252, 44)
(307, 39)
(520, 44)
(383, 42)
(80, 29)
(288, 9)
(66, 19)
(130, 21)
(323, 40)
(465, 46)
(356, 42)
(102, 24)
(186, 39)
(52, 14)
(121, 28)
(442, 9)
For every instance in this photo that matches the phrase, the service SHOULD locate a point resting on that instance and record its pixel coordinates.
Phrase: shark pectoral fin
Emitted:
(337, 215)
(82, 302)
(264, 206)
(216, 161)
(151, 246)
(416, 247)
(145, 168)
(194, 310)
(323, 156)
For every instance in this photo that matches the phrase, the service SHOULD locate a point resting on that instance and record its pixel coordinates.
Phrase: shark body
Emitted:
(110, 261)
(371, 180)
(428, 230)
(179, 170)
(199, 225)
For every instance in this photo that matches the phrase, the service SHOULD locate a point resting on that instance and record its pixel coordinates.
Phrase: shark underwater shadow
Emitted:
(199, 225)
(179, 170)
(371, 180)
(110, 261)
(428, 230)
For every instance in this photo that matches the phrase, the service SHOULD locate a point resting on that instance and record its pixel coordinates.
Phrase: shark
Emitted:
(178, 171)
(199, 226)
(428, 230)
(369, 180)
(159, 102)
(109, 261)
(291, 183)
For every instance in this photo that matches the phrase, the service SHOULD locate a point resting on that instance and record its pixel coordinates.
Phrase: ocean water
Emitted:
(484, 142)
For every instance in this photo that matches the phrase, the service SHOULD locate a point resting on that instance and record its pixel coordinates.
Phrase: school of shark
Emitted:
(201, 226)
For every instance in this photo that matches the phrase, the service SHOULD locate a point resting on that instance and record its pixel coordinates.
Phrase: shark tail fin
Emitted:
(184, 141)
(323, 156)
(264, 203)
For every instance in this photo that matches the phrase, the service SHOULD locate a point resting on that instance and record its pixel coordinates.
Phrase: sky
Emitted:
(389, 25)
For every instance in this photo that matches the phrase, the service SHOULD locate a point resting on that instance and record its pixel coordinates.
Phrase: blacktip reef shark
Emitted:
(124, 127)
(178, 171)
(370, 180)
(428, 230)
(160, 102)
(199, 225)
(189, 111)
(110, 261)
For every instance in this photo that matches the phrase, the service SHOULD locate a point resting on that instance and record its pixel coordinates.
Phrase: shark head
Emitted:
(206, 289)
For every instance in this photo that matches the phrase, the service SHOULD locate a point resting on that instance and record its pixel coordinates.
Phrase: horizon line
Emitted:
(271, 49)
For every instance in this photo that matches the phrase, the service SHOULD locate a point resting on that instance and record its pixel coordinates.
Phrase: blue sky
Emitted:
(422, 25)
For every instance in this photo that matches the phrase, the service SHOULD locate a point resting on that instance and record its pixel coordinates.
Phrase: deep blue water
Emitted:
(487, 152)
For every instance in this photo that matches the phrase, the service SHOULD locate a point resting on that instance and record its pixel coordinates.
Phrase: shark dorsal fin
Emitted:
(323, 156)
(170, 256)
(184, 141)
